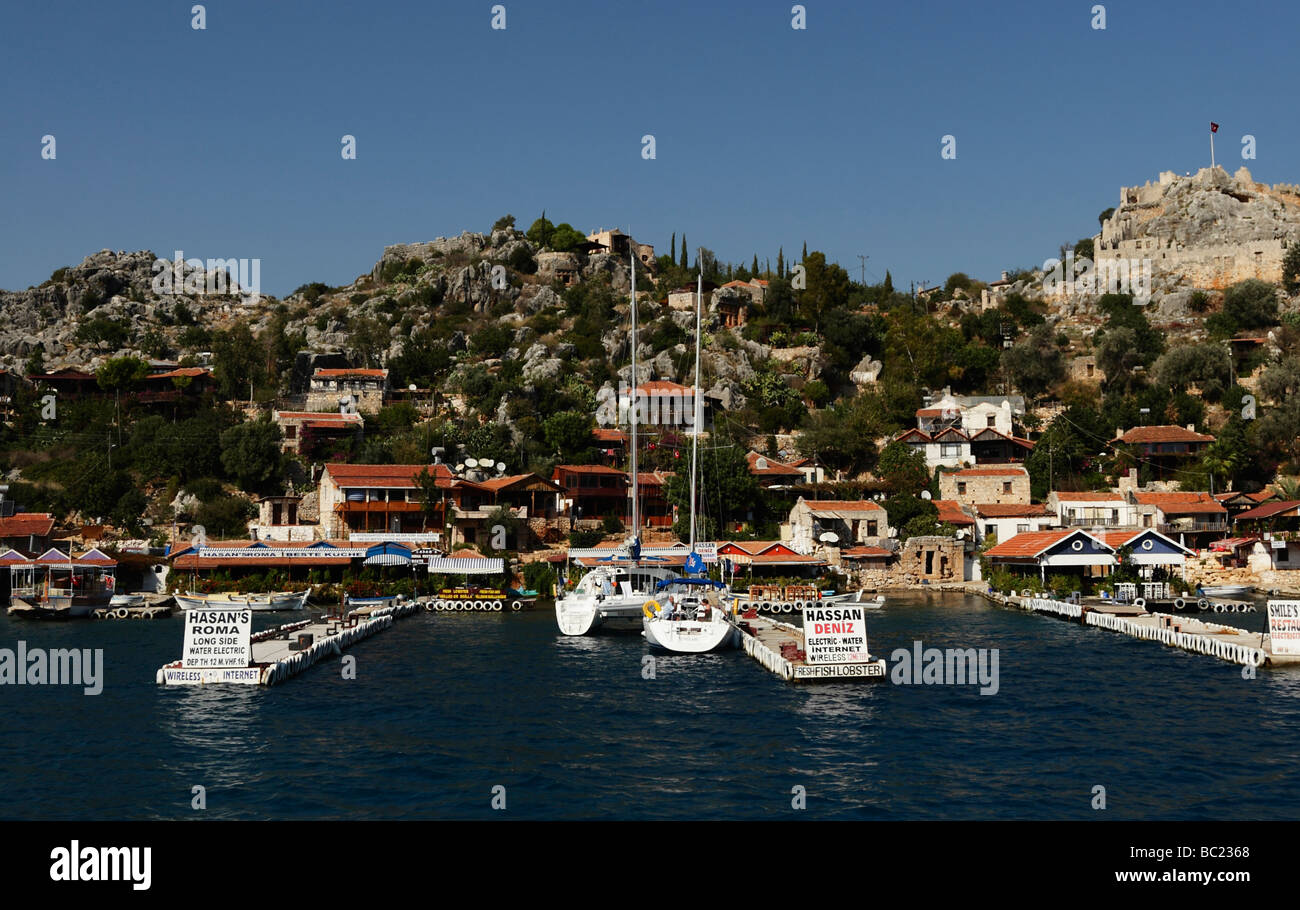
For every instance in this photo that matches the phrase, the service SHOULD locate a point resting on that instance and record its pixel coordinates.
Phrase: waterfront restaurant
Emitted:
(1072, 551)
(1147, 549)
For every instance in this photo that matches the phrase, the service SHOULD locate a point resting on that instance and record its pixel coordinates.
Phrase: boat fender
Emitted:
(516, 606)
(1218, 608)
(496, 606)
(1203, 604)
(1140, 603)
(787, 670)
(1179, 603)
(122, 613)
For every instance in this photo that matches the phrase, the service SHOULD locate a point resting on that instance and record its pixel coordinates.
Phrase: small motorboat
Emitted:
(276, 600)
(126, 600)
(1225, 590)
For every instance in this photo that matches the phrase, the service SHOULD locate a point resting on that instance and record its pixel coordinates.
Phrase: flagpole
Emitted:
(1211, 148)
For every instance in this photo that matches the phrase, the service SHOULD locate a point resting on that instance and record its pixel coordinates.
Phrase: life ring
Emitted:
(765, 606)
(1179, 603)
(496, 606)
(1203, 604)
(121, 612)
(650, 609)
(787, 607)
(516, 606)
(1218, 608)
(1140, 603)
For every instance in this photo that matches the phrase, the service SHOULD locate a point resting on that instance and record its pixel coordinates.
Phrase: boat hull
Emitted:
(688, 636)
(258, 603)
(1226, 590)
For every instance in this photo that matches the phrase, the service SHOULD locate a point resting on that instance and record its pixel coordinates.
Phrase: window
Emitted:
(1006, 486)
(872, 530)
(1022, 528)
(989, 421)
(961, 488)
(1283, 555)
(990, 530)
(950, 449)
(1146, 520)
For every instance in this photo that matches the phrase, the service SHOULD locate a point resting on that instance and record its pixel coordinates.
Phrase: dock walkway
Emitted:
(779, 647)
(275, 661)
(1213, 639)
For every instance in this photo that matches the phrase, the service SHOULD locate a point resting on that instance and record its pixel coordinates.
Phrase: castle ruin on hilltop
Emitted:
(1208, 230)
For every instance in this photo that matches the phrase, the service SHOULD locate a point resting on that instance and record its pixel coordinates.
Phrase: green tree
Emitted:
(1291, 267)
(726, 491)
(250, 452)
(539, 233)
(121, 374)
(1035, 363)
(238, 362)
(569, 434)
(1249, 304)
(903, 469)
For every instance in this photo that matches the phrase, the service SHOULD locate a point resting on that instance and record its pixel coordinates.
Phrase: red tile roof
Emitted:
(1085, 496)
(1011, 510)
(950, 512)
(1181, 503)
(1031, 544)
(843, 505)
(1268, 510)
(771, 466)
(865, 553)
(25, 524)
(1162, 434)
(181, 372)
(324, 373)
(588, 469)
(391, 476)
(1004, 471)
(603, 434)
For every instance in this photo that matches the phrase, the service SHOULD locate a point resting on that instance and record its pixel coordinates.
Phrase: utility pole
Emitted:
(863, 260)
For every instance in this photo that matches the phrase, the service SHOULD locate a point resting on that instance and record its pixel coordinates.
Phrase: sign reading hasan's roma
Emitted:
(218, 638)
(1284, 626)
(835, 634)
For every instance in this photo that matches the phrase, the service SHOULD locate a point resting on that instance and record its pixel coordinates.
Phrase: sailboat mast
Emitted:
(695, 403)
(636, 478)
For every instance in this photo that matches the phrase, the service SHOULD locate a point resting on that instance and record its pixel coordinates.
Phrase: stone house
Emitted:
(365, 388)
(853, 522)
(1001, 484)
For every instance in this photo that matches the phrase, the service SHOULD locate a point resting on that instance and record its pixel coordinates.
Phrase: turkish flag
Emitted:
(1214, 127)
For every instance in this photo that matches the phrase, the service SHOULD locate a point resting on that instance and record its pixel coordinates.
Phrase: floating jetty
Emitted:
(1228, 643)
(287, 650)
(779, 647)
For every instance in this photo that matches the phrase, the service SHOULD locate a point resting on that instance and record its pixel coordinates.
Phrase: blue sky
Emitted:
(225, 142)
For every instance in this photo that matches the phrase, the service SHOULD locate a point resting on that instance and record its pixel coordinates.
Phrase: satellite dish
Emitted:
(760, 464)
(471, 462)
(925, 494)
(459, 468)
(829, 537)
(893, 532)
(412, 387)
(501, 467)
(960, 535)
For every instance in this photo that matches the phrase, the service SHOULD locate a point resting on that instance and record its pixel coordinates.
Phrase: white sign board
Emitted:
(281, 552)
(218, 638)
(708, 551)
(1284, 626)
(835, 634)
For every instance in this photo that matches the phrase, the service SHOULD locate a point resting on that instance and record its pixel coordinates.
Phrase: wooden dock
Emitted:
(274, 658)
(1253, 649)
(779, 647)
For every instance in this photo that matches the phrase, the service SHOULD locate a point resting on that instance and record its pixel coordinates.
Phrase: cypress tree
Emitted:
(684, 263)
(754, 268)
(780, 262)
(672, 248)
(889, 282)
(805, 252)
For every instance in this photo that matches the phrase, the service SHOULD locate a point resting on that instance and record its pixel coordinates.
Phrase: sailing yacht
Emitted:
(611, 595)
(689, 614)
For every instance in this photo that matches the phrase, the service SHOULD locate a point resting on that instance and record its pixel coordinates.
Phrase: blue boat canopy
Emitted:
(388, 554)
(688, 581)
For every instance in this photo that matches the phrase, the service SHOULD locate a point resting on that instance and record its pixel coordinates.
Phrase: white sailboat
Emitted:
(610, 596)
(690, 616)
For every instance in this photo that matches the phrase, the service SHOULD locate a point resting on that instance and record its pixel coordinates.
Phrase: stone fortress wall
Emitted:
(1208, 230)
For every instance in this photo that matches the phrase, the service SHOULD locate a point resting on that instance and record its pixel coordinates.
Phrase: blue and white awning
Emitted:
(388, 554)
(466, 565)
